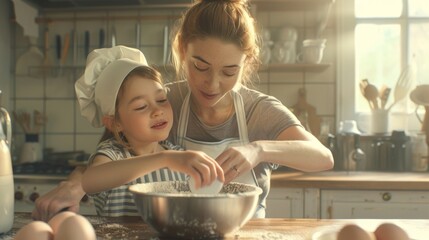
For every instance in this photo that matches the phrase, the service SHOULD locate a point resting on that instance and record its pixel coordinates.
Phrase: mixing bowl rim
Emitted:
(255, 192)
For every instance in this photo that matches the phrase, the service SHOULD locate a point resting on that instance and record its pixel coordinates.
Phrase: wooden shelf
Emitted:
(296, 67)
(275, 67)
(289, 5)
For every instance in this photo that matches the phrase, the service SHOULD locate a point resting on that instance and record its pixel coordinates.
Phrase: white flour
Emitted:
(181, 188)
(268, 235)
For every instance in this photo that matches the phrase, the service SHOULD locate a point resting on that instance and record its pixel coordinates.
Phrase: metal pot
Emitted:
(351, 156)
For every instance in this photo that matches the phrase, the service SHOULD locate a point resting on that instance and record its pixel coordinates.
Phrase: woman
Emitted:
(215, 51)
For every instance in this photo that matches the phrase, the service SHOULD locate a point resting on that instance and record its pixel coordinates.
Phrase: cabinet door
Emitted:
(285, 203)
(374, 204)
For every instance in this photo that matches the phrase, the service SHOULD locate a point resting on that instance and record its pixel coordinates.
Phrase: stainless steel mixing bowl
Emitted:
(174, 212)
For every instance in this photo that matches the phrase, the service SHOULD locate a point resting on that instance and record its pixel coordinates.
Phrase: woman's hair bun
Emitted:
(244, 2)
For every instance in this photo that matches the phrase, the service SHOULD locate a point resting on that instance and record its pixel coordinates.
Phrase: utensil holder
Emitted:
(380, 119)
(31, 150)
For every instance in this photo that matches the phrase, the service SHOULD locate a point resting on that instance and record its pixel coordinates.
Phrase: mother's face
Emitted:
(213, 67)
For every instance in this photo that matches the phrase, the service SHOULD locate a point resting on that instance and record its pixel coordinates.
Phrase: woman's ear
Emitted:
(110, 123)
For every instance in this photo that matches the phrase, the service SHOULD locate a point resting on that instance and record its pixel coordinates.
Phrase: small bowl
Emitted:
(348, 127)
(314, 42)
(329, 234)
(420, 95)
(174, 212)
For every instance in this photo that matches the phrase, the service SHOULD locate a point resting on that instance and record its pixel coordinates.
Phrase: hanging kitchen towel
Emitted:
(26, 16)
(27, 63)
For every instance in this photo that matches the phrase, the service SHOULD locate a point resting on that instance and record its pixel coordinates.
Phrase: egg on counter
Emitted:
(56, 221)
(36, 230)
(354, 232)
(390, 231)
(75, 227)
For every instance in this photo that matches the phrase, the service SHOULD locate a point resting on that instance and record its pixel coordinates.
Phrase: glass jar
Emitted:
(419, 153)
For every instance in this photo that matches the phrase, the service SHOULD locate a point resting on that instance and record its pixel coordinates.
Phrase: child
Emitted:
(122, 93)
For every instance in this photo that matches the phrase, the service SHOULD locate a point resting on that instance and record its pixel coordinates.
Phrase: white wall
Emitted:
(5, 52)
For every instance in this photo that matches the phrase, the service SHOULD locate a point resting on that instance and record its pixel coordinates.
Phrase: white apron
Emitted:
(214, 149)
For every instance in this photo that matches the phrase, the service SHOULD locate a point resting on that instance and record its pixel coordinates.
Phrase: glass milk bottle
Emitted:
(6, 175)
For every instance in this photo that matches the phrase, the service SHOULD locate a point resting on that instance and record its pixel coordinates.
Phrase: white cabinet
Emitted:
(285, 203)
(372, 204)
(347, 204)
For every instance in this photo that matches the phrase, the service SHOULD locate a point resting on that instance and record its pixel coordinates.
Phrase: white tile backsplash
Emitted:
(154, 55)
(287, 94)
(60, 87)
(29, 87)
(87, 142)
(28, 106)
(82, 124)
(321, 96)
(61, 142)
(286, 77)
(60, 115)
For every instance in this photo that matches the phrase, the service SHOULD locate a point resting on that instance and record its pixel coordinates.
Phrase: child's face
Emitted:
(145, 114)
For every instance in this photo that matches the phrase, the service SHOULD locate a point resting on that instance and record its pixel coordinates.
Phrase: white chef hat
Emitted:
(97, 88)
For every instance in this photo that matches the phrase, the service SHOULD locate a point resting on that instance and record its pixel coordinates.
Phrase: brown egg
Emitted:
(36, 230)
(390, 231)
(75, 228)
(353, 232)
(56, 221)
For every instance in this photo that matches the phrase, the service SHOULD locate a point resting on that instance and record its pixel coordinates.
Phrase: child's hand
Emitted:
(198, 165)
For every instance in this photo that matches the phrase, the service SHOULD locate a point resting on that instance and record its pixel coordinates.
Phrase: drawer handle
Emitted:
(387, 196)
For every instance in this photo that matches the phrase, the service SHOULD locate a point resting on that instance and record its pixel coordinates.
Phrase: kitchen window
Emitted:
(378, 38)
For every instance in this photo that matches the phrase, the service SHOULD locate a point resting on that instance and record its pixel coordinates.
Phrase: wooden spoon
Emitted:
(39, 121)
(384, 96)
(363, 84)
(23, 120)
(371, 93)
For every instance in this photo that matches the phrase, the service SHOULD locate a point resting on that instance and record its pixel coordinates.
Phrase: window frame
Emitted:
(348, 88)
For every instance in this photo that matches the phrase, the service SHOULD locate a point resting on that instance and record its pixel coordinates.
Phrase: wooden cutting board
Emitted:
(307, 113)
(425, 126)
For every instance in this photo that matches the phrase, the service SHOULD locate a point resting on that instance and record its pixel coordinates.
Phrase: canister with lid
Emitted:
(419, 153)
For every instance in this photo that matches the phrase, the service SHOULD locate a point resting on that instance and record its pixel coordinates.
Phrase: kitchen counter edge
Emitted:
(352, 180)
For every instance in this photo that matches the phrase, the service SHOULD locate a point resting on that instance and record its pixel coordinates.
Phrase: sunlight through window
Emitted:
(378, 8)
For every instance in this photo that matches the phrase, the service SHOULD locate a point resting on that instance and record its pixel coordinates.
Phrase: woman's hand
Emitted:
(237, 160)
(198, 165)
(294, 147)
(66, 195)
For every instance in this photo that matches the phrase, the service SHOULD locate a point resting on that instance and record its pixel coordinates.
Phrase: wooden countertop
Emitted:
(352, 180)
(274, 228)
(324, 180)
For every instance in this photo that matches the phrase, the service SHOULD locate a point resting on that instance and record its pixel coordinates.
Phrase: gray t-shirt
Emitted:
(266, 118)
